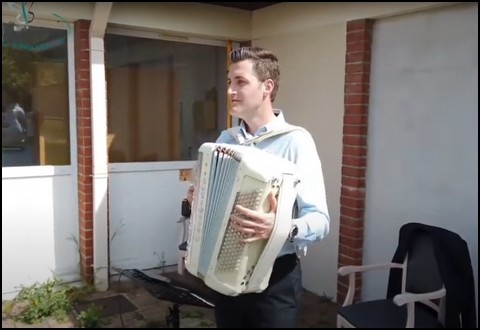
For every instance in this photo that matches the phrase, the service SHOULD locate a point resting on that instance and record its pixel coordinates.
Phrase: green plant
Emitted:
(78, 293)
(49, 299)
(162, 262)
(91, 317)
(7, 306)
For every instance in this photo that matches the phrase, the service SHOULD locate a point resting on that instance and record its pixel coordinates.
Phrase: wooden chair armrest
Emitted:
(411, 298)
(352, 270)
(405, 298)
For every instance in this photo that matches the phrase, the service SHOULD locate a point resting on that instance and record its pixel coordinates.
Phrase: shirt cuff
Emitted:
(302, 228)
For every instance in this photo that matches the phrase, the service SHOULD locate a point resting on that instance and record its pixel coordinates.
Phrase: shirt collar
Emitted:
(276, 123)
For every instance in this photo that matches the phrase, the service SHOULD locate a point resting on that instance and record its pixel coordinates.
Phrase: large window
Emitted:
(165, 98)
(35, 111)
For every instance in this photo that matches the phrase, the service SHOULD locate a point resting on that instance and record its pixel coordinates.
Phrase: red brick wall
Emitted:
(354, 159)
(84, 147)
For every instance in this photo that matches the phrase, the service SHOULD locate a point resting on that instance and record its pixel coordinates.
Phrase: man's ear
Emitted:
(268, 85)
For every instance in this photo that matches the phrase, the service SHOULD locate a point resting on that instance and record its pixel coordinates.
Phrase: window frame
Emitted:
(53, 170)
(159, 165)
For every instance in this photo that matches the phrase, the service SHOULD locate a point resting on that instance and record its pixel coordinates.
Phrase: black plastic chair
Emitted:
(430, 284)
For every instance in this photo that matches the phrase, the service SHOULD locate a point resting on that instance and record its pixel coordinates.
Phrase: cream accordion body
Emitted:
(227, 175)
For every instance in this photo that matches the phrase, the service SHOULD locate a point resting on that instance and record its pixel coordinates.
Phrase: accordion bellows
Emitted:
(227, 175)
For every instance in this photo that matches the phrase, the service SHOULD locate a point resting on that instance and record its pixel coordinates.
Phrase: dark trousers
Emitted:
(276, 307)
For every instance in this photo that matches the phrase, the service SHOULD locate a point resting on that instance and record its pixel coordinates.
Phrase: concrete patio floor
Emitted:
(142, 310)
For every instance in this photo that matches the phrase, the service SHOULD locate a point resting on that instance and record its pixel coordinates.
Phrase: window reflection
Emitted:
(35, 117)
(164, 98)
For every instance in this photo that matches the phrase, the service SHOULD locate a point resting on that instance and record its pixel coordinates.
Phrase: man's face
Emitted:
(245, 91)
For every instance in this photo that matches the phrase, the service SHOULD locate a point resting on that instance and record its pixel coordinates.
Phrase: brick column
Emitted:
(84, 148)
(354, 159)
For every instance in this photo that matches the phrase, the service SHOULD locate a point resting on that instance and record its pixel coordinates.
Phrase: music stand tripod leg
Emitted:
(173, 318)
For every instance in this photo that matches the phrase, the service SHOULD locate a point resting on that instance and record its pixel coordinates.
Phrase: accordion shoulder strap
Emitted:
(236, 134)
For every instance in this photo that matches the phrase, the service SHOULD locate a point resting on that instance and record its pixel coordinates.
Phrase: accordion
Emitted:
(227, 175)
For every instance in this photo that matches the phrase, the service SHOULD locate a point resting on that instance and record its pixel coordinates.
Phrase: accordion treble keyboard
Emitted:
(231, 250)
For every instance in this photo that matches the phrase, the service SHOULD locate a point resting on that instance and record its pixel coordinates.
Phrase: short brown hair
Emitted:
(265, 64)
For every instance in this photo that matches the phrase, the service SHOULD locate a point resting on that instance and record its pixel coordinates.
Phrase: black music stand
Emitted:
(166, 290)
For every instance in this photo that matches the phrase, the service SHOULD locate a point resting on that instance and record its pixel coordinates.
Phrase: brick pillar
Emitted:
(84, 148)
(354, 159)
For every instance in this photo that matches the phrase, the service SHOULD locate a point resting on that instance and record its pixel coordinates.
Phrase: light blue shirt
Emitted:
(313, 219)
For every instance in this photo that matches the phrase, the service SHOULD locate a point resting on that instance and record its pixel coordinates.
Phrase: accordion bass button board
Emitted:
(227, 175)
